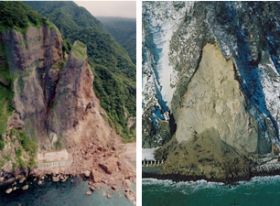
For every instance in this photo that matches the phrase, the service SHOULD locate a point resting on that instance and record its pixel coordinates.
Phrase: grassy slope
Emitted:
(124, 31)
(113, 69)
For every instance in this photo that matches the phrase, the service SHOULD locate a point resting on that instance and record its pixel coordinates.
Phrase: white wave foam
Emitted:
(193, 186)
(170, 183)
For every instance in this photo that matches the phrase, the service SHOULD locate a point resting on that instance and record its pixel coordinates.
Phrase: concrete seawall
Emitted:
(53, 160)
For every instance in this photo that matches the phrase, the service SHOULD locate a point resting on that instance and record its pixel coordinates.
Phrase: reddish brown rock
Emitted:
(105, 168)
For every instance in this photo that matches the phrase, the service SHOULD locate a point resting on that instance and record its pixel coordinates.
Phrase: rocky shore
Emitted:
(9, 183)
(101, 168)
(266, 169)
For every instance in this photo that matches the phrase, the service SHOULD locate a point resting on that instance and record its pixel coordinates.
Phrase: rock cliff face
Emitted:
(33, 59)
(51, 122)
(213, 100)
(114, 72)
(53, 93)
(74, 94)
(225, 57)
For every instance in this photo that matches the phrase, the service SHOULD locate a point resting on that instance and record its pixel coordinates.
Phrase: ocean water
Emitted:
(62, 194)
(260, 191)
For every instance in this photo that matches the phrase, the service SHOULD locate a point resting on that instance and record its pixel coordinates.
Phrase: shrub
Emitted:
(17, 14)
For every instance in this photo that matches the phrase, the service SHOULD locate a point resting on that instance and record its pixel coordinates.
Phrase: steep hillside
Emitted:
(124, 31)
(51, 120)
(222, 82)
(113, 69)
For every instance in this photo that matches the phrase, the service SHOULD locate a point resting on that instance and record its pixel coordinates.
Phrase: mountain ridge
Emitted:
(124, 31)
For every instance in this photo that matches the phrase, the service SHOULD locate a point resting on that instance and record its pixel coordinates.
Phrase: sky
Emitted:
(125, 9)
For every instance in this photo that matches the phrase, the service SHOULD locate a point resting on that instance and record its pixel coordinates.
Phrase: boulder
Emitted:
(9, 190)
(92, 188)
(105, 168)
(87, 173)
(55, 178)
(25, 187)
(2, 179)
(22, 179)
(96, 176)
(89, 192)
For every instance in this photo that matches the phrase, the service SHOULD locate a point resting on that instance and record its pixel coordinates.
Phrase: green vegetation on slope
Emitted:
(117, 92)
(26, 151)
(79, 50)
(113, 69)
(17, 15)
(124, 31)
(6, 94)
(5, 107)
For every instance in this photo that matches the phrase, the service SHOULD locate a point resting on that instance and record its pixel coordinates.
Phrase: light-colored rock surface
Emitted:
(87, 173)
(89, 192)
(9, 190)
(213, 99)
(25, 187)
(55, 178)
(22, 179)
(74, 93)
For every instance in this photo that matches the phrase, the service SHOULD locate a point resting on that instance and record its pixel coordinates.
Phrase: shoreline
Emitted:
(68, 192)
(20, 183)
(95, 168)
(229, 181)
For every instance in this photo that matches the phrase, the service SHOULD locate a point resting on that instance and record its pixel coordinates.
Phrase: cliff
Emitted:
(114, 72)
(213, 100)
(51, 122)
(50, 93)
(219, 92)
(32, 58)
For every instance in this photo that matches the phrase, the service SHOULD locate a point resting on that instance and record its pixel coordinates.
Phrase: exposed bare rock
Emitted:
(89, 192)
(105, 168)
(87, 173)
(2, 179)
(31, 56)
(15, 121)
(74, 93)
(214, 100)
(9, 190)
(55, 104)
(25, 187)
(22, 179)
(4, 82)
(55, 178)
